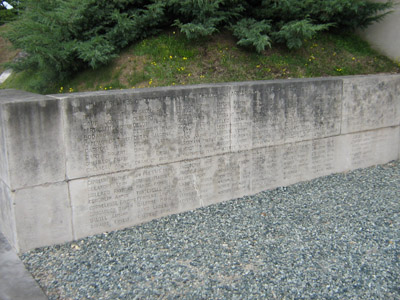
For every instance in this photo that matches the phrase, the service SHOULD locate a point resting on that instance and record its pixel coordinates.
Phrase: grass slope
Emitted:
(7, 53)
(171, 59)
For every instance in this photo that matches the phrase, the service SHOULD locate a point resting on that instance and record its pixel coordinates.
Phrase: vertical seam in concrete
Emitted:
(251, 150)
(230, 118)
(4, 128)
(341, 107)
(63, 110)
(8, 174)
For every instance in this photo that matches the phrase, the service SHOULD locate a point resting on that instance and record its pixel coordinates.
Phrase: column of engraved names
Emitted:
(154, 194)
(295, 160)
(364, 145)
(120, 200)
(195, 182)
(232, 175)
(101, 204)
(111, 201)
(150, 132)
(208, 180)
(203, 122)
(130, 135)
(299, 111)
(265, 172)
(242, 117)
(223, 125)
(323, 156)
(106, 136)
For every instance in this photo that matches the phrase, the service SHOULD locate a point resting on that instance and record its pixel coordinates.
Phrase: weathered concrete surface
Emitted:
(33, 135)
(129, 129)
(74, 165)
(42, 215)
(364, 149)
(132, 129)
(366, 101)
(123, 199)
(120, 200)
(16, 283)
(284, 112)
(7, 214)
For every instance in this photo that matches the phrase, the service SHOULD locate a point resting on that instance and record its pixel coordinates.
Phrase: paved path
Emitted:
(5, 75)
(15, 281)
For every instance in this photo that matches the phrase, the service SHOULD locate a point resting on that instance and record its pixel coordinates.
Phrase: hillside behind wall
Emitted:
(385, 35)
(74, 165)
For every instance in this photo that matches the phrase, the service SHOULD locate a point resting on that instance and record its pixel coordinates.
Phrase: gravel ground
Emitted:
(336, 237)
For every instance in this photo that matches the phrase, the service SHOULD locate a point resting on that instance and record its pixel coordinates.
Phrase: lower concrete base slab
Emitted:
(43, 216)
(120, 200)
(16, 283)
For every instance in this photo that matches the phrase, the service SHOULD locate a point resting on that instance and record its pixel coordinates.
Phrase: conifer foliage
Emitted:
(63, 36)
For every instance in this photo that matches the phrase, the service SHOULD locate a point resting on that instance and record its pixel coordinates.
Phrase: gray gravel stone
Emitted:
(336, 237)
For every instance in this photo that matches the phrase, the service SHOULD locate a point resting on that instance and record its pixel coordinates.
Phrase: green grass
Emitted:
(171, 59)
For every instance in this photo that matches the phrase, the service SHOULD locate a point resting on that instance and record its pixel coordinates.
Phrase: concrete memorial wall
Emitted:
(74, 165)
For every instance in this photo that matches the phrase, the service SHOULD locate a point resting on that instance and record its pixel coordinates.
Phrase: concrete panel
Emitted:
(106, 203)
(110, 202)
(365, 149)
(273, 113)
(223, 177)
(370, 102)
(35, 147)
(43, 216)
(7, 215)
(290, 163)
(126, 130)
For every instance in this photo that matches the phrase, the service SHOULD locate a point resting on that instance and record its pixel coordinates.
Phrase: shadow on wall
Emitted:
(385, 35)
